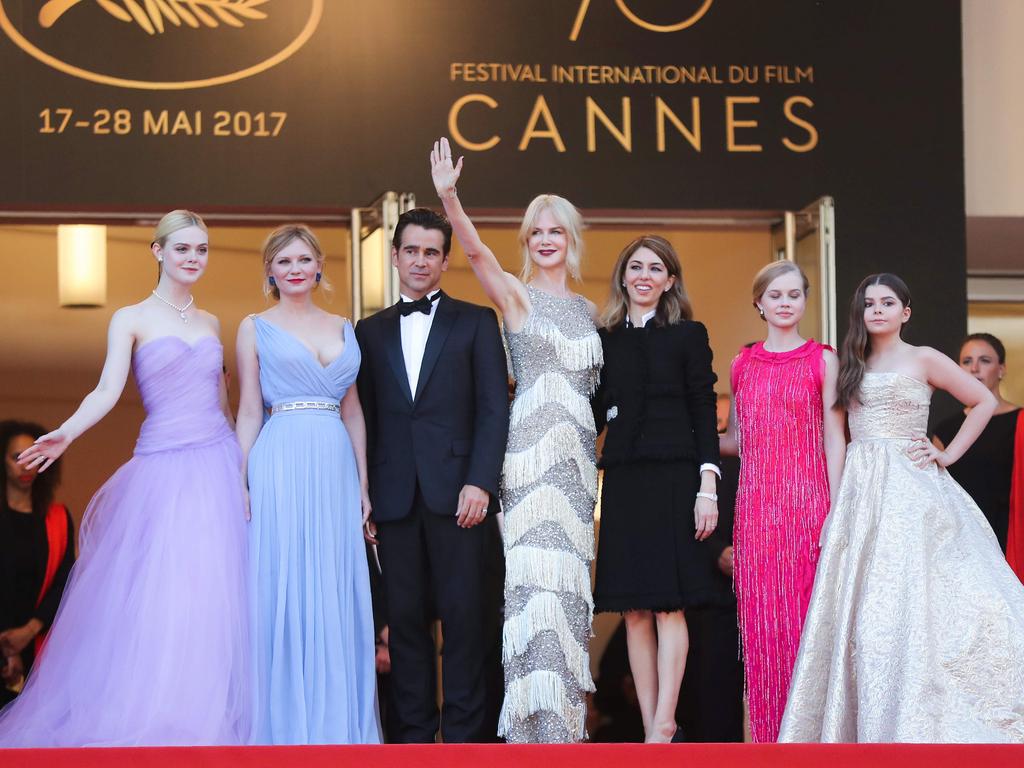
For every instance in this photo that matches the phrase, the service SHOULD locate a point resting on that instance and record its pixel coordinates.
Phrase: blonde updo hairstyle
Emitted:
(278, 240)
(769, 273)
(568, 217)
(171, 223)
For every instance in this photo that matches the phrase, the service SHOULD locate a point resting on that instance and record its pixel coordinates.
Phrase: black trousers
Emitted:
(433, 569)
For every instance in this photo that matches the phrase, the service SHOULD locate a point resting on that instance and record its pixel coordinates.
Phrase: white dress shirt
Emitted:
(415, 329)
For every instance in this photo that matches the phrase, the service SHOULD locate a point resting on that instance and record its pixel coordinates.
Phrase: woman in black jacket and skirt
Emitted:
(660, 461)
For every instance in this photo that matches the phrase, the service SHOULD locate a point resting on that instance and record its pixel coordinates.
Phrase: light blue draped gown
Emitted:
(315, 680)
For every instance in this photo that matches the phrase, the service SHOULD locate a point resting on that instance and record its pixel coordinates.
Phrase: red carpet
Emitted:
(503, 756)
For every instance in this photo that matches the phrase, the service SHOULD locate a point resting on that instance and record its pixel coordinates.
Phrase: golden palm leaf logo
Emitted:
(294, 24)
(151, 14)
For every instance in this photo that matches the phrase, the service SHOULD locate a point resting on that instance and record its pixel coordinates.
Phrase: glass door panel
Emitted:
(807, 237)
(374, 279)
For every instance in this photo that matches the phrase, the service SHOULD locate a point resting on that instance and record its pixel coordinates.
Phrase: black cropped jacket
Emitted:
(656, 395)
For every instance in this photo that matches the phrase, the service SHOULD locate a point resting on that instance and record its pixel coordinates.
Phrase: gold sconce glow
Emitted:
(82, 264)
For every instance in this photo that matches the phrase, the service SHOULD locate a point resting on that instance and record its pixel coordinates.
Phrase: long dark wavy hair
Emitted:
(857, 344)
(45, 485)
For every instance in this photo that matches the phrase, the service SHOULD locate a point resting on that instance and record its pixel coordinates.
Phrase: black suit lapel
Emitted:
(444, 319)
(393, 342)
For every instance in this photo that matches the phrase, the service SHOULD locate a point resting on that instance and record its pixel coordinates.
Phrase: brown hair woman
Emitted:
(660, 460)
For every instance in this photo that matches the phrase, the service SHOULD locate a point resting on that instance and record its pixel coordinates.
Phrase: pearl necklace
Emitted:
(180, 310)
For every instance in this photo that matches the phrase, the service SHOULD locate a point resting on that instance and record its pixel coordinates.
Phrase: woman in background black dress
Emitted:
(36, 553)
(660, 462)
(986, 469)
(711, 699)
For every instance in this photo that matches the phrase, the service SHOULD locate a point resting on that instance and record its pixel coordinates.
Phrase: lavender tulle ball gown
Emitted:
(150, 645)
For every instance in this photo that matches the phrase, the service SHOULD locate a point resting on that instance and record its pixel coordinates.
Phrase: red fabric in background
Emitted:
(542, 756)
(1015, 533)
(57, 538)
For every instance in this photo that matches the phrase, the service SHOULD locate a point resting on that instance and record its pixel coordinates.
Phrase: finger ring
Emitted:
(484, 510)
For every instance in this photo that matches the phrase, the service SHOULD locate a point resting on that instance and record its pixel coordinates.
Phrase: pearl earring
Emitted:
(760, 311)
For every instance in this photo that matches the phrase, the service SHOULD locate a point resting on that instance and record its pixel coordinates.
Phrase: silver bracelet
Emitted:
(705, 495)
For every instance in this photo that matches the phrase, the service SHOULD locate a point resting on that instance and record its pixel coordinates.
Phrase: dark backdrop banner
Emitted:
(620, 104)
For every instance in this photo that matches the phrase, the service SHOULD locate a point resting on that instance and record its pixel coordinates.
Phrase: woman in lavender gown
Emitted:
(150, 645)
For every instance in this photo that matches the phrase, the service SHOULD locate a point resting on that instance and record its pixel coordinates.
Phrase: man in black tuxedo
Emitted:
(434, 394)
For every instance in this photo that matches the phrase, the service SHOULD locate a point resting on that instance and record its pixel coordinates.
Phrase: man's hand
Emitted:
(472, 506)
(382, 657)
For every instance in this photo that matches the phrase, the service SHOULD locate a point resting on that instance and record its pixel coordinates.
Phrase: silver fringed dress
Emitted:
(915, 631)
(549, 488)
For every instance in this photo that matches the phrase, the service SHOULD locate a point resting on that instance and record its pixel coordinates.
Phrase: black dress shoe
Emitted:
(678, 737)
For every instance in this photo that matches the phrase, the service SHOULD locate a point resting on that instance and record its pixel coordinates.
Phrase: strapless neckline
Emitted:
(906, 376)
(191, 345)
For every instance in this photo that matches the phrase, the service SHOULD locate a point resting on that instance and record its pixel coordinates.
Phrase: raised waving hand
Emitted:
(444, 173)
(505, 290)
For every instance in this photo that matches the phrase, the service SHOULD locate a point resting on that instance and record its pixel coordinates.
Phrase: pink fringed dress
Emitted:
(781, 503)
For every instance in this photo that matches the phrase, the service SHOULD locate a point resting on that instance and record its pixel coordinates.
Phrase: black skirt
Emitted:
(647, 556)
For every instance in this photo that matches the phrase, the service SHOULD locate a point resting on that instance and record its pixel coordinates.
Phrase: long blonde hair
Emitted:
(673, 305)
(569, 217)
(277, 241)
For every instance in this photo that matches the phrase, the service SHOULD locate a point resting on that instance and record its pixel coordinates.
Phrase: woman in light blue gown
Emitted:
(305, 469)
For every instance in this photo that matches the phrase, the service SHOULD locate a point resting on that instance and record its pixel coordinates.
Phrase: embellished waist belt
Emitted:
(306, 405)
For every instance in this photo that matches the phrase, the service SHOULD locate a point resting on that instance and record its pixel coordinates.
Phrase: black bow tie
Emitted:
(422, 304)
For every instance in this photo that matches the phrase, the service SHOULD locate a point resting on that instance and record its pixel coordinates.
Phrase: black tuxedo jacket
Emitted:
(453, 430)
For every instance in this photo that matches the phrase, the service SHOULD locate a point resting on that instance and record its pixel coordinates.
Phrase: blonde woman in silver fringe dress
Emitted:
(549, 483)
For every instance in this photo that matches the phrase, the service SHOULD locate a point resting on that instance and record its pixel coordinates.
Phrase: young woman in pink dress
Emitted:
(791, 442)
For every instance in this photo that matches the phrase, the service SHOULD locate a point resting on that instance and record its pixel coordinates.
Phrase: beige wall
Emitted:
(53, 356)
(1006, 322)
(994, 168)
(993, 107)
